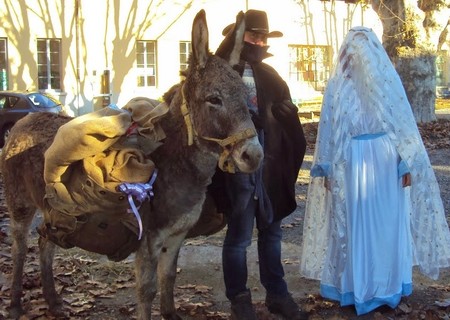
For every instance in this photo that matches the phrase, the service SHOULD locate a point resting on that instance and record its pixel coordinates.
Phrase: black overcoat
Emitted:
(285, 142)
(284, 147)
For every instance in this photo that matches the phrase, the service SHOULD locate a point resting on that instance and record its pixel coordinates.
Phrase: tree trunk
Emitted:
(411, 31)
(418, 74)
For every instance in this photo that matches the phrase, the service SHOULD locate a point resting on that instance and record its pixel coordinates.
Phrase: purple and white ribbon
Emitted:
(139, 192)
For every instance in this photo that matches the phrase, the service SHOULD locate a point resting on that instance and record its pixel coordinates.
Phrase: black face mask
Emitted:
(253, 53)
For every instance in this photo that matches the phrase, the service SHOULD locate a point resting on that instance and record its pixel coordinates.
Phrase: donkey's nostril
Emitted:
(252, 157)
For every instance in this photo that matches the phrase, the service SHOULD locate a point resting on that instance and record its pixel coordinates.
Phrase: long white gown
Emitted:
(363, 235)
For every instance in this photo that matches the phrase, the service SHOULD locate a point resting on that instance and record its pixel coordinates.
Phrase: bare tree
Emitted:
(413, 32)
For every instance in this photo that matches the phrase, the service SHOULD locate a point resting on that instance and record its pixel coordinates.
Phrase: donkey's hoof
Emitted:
(59, 313)
(171, 316)
(57, 310)
(15, 312)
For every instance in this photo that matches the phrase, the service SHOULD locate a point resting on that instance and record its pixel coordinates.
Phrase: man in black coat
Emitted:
(267, 195)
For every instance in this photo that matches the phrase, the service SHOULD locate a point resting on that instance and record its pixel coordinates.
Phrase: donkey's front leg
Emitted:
(167, 272)
(146, 273)
(46, 255)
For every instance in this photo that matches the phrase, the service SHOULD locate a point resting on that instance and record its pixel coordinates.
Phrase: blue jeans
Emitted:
(238, 237)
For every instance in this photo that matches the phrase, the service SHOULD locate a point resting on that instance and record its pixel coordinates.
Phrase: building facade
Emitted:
(93, 53)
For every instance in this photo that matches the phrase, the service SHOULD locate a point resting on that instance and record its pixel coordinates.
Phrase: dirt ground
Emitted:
(95, 288)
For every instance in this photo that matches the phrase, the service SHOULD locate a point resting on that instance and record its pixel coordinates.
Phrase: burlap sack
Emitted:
(89, 158)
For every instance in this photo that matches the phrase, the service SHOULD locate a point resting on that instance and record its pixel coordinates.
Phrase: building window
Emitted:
(49, 64)
(3, 64)
(185, 50)
(311, 64)
(146, 63)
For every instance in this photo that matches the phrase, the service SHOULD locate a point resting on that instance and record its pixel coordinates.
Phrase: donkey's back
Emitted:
(22, 163)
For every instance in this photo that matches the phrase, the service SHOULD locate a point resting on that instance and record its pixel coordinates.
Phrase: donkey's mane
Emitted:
(170, 94)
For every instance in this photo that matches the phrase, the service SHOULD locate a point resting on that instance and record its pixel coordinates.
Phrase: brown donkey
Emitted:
(208, 121)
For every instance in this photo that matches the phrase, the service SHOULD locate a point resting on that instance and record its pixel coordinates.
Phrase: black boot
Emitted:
(285, 306)
(242, 308)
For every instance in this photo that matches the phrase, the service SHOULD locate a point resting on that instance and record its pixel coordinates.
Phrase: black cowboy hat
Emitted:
(256, 21)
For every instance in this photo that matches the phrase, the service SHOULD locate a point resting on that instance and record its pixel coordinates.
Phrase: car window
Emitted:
(7, 102)
(42, 101)
(12, 102)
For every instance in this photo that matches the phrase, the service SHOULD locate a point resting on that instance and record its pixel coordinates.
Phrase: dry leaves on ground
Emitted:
(435, 134)
(90, 288)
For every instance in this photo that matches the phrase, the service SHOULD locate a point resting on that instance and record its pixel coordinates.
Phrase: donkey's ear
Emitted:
(231, 47)
(200, 42)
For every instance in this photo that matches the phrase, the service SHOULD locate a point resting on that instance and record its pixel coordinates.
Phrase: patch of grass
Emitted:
(442, 104)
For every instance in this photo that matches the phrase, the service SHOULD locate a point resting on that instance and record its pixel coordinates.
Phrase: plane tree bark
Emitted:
(413, 32)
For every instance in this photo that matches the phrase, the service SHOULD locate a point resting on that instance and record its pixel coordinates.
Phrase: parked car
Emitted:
(15, 105)
(443, 92)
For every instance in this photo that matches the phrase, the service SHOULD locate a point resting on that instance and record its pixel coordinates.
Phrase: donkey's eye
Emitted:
(214, 100)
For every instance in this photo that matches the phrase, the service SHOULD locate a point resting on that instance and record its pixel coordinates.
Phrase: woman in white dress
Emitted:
(373, 208)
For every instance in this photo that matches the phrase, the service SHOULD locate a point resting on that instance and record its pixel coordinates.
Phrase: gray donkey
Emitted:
(208, 121)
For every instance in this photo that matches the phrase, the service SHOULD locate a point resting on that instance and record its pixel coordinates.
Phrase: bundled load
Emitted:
(96, 169)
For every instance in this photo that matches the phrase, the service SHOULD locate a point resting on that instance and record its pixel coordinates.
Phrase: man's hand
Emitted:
(285, 111)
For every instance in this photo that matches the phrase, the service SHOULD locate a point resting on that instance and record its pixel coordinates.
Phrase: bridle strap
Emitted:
(235, 138)
(227, 144)
(187, 119)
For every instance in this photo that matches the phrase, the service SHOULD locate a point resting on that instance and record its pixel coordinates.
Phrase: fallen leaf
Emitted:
(443, 303)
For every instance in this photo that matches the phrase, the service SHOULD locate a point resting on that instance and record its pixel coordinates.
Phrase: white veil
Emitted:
(366, 95)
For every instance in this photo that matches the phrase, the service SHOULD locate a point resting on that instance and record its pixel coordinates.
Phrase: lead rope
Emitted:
(140, 192)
